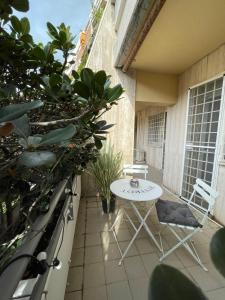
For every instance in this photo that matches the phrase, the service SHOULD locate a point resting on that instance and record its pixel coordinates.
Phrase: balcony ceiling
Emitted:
(184, 32)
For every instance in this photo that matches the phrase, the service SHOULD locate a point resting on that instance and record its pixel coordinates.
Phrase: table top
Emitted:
(146, 191)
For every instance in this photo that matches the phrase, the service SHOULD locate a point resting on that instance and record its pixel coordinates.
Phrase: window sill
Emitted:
(222, 162)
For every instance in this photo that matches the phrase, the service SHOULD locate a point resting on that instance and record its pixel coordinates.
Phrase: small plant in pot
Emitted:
(105, 170)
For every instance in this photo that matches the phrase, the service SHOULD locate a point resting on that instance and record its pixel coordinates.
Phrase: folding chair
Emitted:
(135, 169)
(179, 215)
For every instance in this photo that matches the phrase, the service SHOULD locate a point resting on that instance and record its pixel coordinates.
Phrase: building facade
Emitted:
(169, 56)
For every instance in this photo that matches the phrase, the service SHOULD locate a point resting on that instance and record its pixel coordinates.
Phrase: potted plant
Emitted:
(49, 132)
(105, 170)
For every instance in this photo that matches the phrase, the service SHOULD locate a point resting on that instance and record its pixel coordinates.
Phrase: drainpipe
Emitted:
(143, 18)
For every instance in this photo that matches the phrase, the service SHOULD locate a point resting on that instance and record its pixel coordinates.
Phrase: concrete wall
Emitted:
(157, 89)
(207, 68)
(122, 115)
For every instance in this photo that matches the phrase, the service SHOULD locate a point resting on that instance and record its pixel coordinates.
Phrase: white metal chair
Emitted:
(174, 214)
(129, 169)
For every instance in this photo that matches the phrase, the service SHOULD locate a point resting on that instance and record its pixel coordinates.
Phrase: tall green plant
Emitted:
(106, 169)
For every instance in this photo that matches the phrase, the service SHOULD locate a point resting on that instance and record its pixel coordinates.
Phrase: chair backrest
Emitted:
(206, 192)
(135, 169)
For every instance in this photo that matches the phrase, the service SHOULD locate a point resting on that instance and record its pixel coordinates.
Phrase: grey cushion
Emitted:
(175, 213)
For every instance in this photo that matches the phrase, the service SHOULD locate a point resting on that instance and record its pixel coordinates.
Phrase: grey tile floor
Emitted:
(94, 272)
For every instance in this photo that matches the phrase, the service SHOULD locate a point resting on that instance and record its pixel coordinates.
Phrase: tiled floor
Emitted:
(94, 272)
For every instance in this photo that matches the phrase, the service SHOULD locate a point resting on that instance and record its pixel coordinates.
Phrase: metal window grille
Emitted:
(156, 129)
(202, 128)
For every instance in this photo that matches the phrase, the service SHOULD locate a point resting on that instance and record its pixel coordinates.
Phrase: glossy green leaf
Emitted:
(100, 77)
(52, 30)
(87, 77)
(25, 25)
(36, 159)
(168, 283)
(39, 53)
(75, 74)
(114, 93)
(21, 126)
(98, 142)
(20, 5)
(217, 250)
(15, 111)
(101, 123)
(55, 79)
(58, 135)
(81, 89)
(17, 26)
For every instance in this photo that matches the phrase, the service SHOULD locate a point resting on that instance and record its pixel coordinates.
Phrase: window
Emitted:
(156, 126)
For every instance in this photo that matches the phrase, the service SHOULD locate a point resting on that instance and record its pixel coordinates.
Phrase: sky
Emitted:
(74, 13)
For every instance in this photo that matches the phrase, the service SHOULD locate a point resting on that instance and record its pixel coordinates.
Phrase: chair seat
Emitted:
(176, 213)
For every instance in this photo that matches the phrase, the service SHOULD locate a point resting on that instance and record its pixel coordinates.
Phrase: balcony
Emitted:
(94, 272)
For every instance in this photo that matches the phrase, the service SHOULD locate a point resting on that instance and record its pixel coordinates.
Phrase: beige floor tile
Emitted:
(75, 279)
(144, 246)
(78, 241)
(92, 204)
(139, 288)
(114, 272)
(119, 291)
(73, 296)
(93, 239)
(94, 227)
(131, 252)
(107, 238)
(134, 267)
(218, 294)
(206, 280)
(77, 257)
(110, 252)
(173, 261)
(96, 293)
(94, 275)
(93, 254)
(123, 235)
(150, 261)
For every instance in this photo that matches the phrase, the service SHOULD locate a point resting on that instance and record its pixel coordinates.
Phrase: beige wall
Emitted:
(158, 89)
(207, 68)
(122, 115)
(154, 155)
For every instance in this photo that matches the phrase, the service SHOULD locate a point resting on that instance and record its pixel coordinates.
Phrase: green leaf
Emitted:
(81, 89)
(101, 123)
(52, 30)
(55, 79)
(58, 135)
(15, 111)
(25, 24)
(20, 5)
(168, 283)
(217, 250)
(87, 77)
(21, 126)
(36, 159)
(39, 53)
(27, 38)
(100, 77)
(114, 93)
(98, 142)
(16, 24)
(75, 74)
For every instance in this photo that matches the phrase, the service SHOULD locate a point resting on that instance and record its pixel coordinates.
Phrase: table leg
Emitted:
(145, 225)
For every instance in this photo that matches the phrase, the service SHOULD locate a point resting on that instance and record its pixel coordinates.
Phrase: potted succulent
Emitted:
(105, 170)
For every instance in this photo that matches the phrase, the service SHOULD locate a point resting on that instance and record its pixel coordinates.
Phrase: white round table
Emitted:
(146, 191)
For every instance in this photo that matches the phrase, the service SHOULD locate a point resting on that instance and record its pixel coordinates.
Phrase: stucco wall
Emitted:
(122, 115)
(207, 68)
(160, 89)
